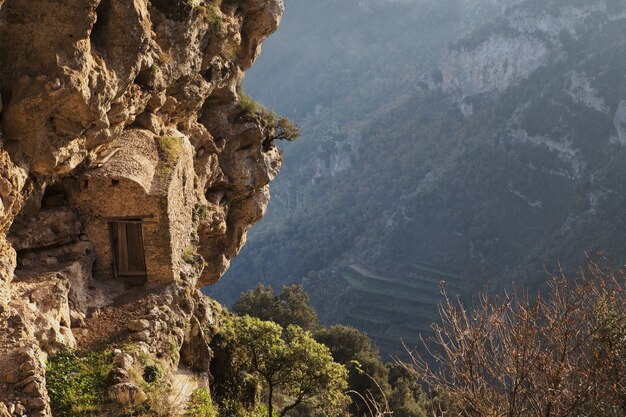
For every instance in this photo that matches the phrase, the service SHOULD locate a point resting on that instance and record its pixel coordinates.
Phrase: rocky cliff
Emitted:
(129, 176)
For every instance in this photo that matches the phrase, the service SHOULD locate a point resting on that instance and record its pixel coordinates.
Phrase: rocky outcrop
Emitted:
(493, 65)
(153, 86)
(519, 42)
(619, 121)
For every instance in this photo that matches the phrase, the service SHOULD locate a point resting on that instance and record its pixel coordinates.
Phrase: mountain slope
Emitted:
(503, 158)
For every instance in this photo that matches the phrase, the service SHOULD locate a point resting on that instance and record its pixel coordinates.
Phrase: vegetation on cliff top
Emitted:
(275, 127)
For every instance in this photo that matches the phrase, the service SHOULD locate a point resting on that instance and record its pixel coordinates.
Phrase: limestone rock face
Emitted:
(526, 39)
(128, 172)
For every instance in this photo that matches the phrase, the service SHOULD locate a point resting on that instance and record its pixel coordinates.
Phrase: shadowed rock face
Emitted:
(75, 77)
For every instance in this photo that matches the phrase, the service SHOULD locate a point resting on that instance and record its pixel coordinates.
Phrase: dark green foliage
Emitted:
(407, 399)
(368, 374)
(366, 371)
(291, 306)
(345, 343)
(152, 373)
(76, 383)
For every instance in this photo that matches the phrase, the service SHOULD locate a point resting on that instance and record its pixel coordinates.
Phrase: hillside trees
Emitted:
(368, 376)
(555, 356)
(292, 367)
(291, 306)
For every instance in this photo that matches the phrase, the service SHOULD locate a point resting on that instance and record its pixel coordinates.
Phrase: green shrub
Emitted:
(152, 373)
(200, 404)
(249, 106)
(291, 306)
(76, 383)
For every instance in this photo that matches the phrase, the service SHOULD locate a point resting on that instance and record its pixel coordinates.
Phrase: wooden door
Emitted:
(128, 253)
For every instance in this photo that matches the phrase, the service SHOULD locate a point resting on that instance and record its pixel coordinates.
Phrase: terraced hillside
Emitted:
(393, 308)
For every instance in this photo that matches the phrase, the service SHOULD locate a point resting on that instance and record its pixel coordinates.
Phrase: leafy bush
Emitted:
(200, 404)
(152, 373)
(76, 382)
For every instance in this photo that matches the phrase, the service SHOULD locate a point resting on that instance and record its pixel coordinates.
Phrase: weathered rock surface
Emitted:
(137, 96)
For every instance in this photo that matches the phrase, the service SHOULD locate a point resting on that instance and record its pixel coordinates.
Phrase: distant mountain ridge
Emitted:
(503, 157)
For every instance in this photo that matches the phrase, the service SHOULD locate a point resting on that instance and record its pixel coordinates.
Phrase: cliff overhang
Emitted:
(128, 178)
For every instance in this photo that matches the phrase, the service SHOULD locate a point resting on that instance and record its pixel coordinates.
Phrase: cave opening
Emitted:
(53, 196)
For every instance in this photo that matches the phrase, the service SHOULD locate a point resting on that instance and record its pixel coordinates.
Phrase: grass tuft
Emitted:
(170, 147)
(212, 14)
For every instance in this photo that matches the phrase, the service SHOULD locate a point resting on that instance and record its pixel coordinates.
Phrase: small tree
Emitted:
(273, 126)
(289, 363)
(286, 130)
(560, 356)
